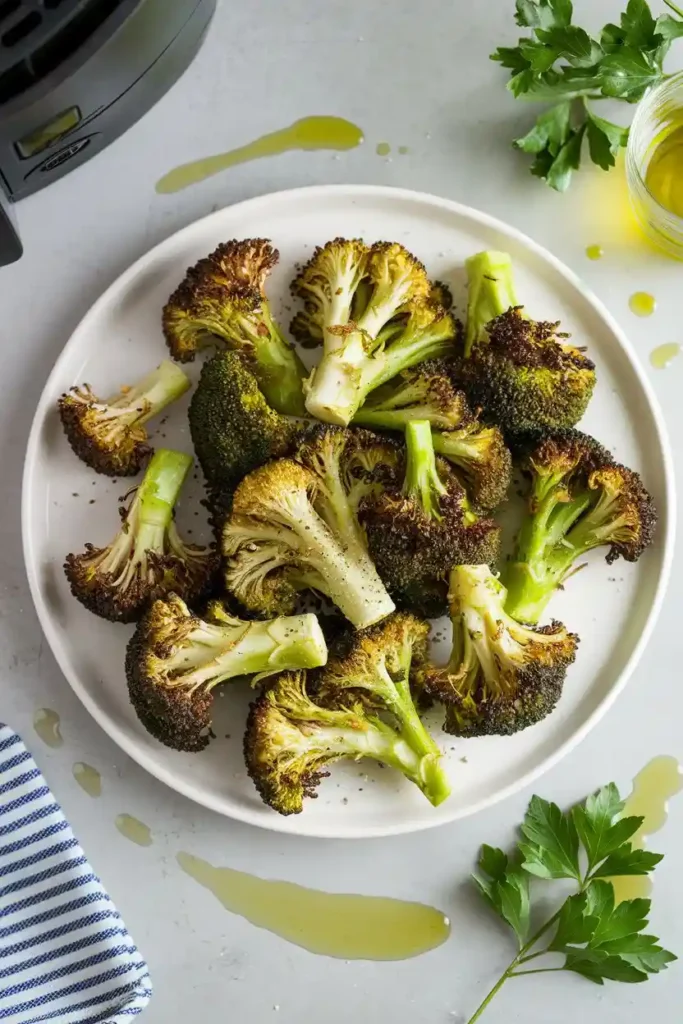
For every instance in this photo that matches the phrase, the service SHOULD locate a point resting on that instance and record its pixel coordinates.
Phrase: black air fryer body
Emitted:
(74, 74)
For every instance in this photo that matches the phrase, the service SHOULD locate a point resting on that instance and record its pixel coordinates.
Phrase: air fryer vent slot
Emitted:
(36, 36)
(21, 29)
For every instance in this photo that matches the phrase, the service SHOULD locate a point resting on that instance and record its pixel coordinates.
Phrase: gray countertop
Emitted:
(415, 76)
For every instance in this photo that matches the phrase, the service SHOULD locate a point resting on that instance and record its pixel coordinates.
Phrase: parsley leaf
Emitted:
(506, 889)
(543, 13)
(627, 73)
(600, 939)
(551, 849)
(597, 823)
(560, 62)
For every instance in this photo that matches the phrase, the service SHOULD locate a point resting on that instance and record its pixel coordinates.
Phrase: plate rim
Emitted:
(335, 831)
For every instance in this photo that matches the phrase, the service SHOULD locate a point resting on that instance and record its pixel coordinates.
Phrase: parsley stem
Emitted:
(672, 6)
(536, 970)
(532, 956)
(523, 955)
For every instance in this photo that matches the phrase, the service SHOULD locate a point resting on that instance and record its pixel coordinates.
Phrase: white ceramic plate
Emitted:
(65, 504)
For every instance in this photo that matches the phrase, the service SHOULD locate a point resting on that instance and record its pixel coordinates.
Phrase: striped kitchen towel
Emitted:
(65, 953)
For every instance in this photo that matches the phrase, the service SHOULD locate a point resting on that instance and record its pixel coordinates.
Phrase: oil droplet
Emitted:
(664, 172)
(383, 149)
(661, 356)
(403, 150)
(653, 786)
(133, 829)
(642, 304)
(595, 252)
(88, 778)
(350, 927)
(46, 724)
(309, 133)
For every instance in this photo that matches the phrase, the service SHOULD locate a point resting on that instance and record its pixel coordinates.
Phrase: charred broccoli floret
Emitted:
(146, 559)
(292, 737)
(375, 667)
(424, 392)
(222, 299)
(480, 459)
(175, 659)
(502, 676)
(233, 428)
(580, 499)
(294, 527)
(477, 452)
(374, 310)
(491, 291)
(416, 532)
(109, 434)
(521, 372)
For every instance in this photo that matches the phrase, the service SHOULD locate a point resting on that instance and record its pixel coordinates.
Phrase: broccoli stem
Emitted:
(160, 487)
(255, 649)
(382, 743)
(491, 292)
(280, 371)
(153, 393)
(346, 575)
(547, 548)
(422, 481)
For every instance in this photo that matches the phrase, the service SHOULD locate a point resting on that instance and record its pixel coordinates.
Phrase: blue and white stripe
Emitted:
(65, 953)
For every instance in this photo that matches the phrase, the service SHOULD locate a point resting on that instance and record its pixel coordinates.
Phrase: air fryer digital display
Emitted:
(42, 137)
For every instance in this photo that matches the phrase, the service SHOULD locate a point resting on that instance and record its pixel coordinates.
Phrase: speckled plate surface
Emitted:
(65, 504)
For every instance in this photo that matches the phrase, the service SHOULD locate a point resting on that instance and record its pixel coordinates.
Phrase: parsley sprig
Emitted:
(598, 937)
(560, 63)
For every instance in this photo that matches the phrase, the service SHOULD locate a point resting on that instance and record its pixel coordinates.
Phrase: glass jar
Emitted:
(658, 114)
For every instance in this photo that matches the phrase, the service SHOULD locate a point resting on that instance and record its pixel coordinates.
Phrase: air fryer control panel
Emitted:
(131, 53)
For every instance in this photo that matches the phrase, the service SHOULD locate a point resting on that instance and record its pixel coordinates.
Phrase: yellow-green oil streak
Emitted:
(309, 133)
(351, 927)
(46, 724)
(653, 787)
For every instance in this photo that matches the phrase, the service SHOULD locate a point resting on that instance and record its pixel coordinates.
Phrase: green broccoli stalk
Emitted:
(375, 670)
(175, 659)
(424, 392)
(416, 531)
(502, 676)
(422, 481)
(521, 372)
(491, 291)
(580, 499)
(146, 559)
(222, 299)
(395, 326)
(286, 533)
(108, 434)
(292, 737)
(233, 427)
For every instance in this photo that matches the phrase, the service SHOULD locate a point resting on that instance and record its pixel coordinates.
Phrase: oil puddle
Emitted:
(46, 723)
(350, 927)
(88, 778)
(309, 133)
(134, 830)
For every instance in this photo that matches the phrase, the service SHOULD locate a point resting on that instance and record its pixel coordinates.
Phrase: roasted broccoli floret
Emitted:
(502, 676)
(491, 291)
(292, 737)
(580, 499)
(294, 527)
(480, 459)
(109, 434)
(175, 659)
(146, 559)
(424, 392)
(222, 299)
(521, 372)
(419, 529)
(375, 667)
(374, 311)
(233, 428)
(478, 452)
